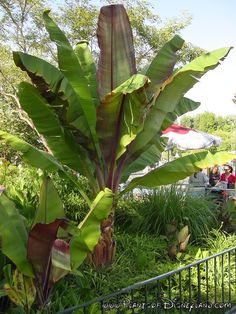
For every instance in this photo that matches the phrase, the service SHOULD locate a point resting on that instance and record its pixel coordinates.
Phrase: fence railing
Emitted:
(205, 286)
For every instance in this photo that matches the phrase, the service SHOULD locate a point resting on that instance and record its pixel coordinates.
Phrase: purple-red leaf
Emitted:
(41, 240)
(60, 259)
(117, 57)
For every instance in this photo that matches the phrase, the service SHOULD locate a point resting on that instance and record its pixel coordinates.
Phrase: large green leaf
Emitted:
(73, 71)
(39, 70)
(13, 236)
(179, 169)
(89, 68)
(149, 157)
(39, 111)
(39, 159)
(173, 91)
(64, 148)
(121, 116)
(33, 156)
(151, 154)
(185, 105)
(50, 205)
(115, 40)
(88, 233)
(163, 64)
(52, 84)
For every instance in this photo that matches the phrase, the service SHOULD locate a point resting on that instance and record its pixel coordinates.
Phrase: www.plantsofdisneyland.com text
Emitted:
(166, 304)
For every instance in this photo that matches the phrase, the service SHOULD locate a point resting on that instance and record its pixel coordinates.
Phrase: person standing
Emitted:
(199, 179)
(214, 176)
(228, 177)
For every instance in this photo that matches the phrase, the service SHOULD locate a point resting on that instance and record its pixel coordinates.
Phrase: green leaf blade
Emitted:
(88, 233)
(39, 159)
(50, 204)
(44, 75)
(14, 236)
(70, 67)
(179, 169)
(89, 68)
(173, 91)
(163, 64)
(33, 156)
(49, 126)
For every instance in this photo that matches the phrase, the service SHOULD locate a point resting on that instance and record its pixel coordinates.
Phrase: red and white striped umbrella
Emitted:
(186, 139)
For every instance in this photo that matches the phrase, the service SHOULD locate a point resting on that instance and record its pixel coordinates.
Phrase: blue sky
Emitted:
(213, 26)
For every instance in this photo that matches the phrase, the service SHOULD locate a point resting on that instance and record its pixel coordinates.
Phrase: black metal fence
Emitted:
(205, 286)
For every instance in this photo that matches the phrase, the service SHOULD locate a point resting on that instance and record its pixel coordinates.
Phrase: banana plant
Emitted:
(45, 250)
(105, 120)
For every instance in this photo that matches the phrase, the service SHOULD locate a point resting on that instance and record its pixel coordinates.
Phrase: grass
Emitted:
(139, 257)
(164, 206)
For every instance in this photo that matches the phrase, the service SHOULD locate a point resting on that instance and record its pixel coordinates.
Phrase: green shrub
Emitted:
(154, 211)
(218, 241)
(75, 206)
(22, 185)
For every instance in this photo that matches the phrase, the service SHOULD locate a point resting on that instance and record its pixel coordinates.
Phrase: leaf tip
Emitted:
(46, 12)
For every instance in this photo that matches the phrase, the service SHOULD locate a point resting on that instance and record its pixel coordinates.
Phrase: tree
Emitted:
(206, 122)
(21, 26)
(223, 127)
(187, 121)
(106, 124)
(150, 33)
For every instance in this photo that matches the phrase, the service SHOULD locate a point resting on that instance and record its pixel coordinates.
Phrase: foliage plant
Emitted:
(104, 121)
(144, 256)
(164, 207)
(51, 246)
(22, 185)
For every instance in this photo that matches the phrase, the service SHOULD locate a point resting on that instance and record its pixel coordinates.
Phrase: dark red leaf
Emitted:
(117, 57)
(41, 239)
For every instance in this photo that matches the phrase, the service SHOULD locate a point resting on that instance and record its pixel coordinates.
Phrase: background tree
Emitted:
(150, 33)
(12, 118)
(225, 127)
(21, 29)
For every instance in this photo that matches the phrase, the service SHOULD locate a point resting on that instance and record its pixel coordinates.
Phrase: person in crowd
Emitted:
(228, 177)
(214, 176)
(199, 179)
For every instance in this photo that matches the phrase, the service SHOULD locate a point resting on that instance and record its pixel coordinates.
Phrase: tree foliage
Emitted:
(150, 32)
(225, 127)
(21, 29)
